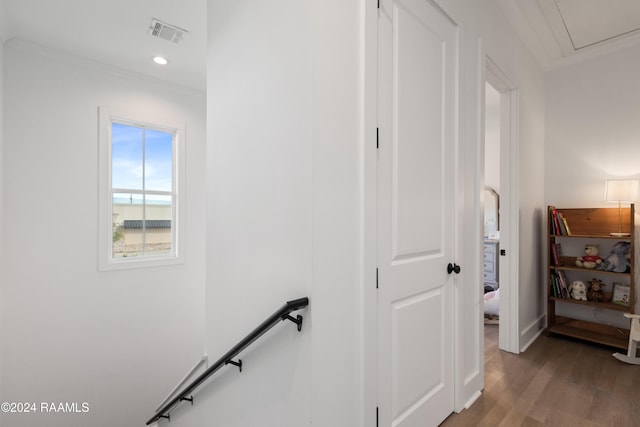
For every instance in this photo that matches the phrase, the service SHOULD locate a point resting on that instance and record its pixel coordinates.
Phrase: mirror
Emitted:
(491, 213)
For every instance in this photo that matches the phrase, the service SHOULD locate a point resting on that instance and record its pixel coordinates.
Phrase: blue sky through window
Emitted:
(158, 160)
(127, 158)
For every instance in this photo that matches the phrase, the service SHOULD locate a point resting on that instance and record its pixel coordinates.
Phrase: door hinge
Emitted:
(378, 4)
(376, 278)
(377, 410)
(377, 138)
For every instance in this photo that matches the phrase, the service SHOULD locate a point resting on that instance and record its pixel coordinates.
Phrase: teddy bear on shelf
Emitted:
(578, 290)
(595, 290)
(618, 261)
(590, 259)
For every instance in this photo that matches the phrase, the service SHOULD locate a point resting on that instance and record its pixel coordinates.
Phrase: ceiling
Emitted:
(115, 32)
(560, 32)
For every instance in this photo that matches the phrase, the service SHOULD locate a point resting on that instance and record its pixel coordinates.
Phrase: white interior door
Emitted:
(416, 172)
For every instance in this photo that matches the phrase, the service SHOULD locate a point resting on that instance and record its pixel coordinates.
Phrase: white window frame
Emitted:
(106, 261)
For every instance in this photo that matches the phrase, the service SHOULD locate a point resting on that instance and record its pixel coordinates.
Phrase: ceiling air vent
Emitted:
(166, 31)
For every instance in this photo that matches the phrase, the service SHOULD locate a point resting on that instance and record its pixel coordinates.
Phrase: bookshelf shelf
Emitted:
(589, 331)
(604, 305)
(572, 228)
(584, 236)
(587, 270)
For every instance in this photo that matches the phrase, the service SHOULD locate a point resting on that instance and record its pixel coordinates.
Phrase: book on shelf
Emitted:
(556, 253)
(554, 285)
(559, 224)
(564, 285)
(559, 286)
(555, 224)
(563, 221)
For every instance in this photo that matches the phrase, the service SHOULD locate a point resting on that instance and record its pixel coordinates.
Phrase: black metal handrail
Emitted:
(284, 313)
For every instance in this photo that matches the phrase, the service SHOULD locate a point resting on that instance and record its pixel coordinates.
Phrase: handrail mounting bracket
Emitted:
(297, 320)
(234, 363)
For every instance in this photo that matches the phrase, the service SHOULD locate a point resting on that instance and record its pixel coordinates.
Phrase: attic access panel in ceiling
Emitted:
(591, 22)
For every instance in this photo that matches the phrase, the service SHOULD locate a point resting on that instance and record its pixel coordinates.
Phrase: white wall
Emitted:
(337, 268)
(259, 223)
(592, 135)
(283, 211)
(593, 130)
(117, 340)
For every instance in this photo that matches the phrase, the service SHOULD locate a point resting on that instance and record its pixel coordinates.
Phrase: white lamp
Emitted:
(621, 190)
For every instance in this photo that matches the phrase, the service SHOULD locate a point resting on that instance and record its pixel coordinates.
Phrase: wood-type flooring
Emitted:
(558, 382)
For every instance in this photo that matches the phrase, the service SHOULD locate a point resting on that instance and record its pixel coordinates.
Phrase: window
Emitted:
(139, 180)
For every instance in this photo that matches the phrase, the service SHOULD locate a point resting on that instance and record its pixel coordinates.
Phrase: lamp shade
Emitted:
(621, 190)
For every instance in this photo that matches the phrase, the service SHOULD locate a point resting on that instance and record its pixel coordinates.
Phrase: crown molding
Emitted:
(5, 30)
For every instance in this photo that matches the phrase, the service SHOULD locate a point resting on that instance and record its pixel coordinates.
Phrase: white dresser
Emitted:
(491, 264)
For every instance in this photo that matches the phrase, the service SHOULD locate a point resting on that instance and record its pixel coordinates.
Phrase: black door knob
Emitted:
(453, 268)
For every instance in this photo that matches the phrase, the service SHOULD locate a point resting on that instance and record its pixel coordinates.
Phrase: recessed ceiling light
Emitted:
(160, 60)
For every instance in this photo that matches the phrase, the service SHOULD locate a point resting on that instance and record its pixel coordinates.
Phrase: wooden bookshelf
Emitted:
(588, 225)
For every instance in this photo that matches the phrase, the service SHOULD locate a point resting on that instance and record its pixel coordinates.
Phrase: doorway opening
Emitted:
(501, 206)
(491, 217)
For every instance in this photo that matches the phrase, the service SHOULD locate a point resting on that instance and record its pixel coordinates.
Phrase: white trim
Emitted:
(533, 331)
(368, 211)
(5, 30)
(473, 399)
(106, 116)
(554, 22)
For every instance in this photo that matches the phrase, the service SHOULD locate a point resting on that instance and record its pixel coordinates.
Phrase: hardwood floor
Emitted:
(556, 382)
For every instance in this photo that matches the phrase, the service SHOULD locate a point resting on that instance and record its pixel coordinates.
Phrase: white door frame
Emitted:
(509, 335)
(369, 219)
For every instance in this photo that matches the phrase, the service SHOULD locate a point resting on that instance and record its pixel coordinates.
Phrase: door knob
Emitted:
(453, 268)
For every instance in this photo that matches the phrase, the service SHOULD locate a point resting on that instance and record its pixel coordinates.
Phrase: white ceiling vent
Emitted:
(166, 31)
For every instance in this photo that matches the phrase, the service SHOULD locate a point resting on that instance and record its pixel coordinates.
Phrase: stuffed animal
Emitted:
(590, 259)
(595, 290)
(578, 290)
(618, 261)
